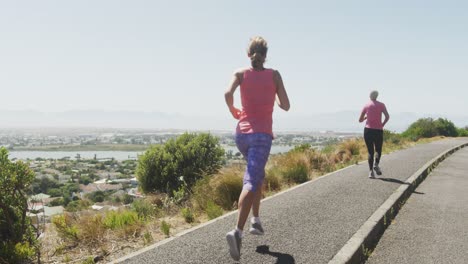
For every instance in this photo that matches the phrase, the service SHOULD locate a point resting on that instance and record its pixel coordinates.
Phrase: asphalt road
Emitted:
(432, 227)
(308, 224)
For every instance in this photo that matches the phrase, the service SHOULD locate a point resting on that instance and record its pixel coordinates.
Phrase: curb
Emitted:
(360, 246)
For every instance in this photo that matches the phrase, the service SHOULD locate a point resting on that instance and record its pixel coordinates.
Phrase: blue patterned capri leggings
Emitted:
(256, 149)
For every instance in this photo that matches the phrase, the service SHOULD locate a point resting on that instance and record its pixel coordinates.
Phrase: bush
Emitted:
(301, 148)
(351, 146)
(127, 199)
(422, 128)
(227, 187)
(89, 260)
(144, 209)
(91, 229)
(213, 210)
(165, 228)
(54, 192)
(272, 181)
(202, 193)
(428, 127)
(189, 155)
(462, 132)
(67, 230)
(296, 173)
(18, 241)
(188, 215)
(147, 238)
(78, 205)
(391, 137)
(97, 197)
(116, 220)
(445, 128)
(57, 202)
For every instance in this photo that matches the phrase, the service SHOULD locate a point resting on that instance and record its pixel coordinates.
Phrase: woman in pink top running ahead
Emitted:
(259, 88)
(373, 132)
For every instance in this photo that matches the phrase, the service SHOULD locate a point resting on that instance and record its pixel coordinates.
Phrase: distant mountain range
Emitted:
(344, 121)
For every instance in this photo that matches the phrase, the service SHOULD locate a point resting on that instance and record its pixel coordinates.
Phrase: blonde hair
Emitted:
(257, 44)
(373, 95)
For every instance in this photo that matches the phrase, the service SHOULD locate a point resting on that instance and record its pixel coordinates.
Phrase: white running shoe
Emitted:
(235, 243)
(371, 174)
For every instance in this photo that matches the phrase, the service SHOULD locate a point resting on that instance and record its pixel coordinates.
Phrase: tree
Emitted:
(180, 162)
(445, 127)
(428, 127)
(18, 241)
(422, 128)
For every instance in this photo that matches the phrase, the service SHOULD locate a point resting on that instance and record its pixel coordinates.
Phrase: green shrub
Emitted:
(180, 195)
(445, 128)
(97, 197)
(188, 215)
(78, 205)
(462, 132)
(165, 228)
(143, 208)
(115, 220)
(89, 260)
(189, 156)
(301, 148)
(296, 173)
(16, 253)
(352, 146)
(18, 239)
(213, 210)
(147, 238)
(66, 228)
(428, 127)
(127, 199)
(57, 202)
(202, 193)
(91, 228)
(272, 181)
(227, 188)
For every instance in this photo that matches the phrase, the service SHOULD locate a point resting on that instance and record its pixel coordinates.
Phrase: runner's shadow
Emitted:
(282, 258)
(392, 180)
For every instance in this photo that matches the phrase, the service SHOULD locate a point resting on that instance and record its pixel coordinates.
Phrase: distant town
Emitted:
(69, 139)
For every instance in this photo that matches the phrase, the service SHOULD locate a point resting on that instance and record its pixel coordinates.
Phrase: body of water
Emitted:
(118, 155)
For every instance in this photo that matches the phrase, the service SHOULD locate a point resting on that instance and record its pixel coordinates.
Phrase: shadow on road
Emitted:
(282, 258)
(392, 180)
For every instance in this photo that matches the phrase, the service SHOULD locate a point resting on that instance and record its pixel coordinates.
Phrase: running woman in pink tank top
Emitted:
(373, 132)
(259, 89)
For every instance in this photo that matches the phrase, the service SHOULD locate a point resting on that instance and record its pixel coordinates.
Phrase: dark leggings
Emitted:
(373, 139)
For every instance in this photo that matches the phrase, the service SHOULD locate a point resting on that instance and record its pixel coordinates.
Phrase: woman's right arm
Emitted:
(362, 117)
(281, 95)
(229, 95)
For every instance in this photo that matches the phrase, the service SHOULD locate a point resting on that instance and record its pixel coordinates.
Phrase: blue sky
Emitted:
(178, 56)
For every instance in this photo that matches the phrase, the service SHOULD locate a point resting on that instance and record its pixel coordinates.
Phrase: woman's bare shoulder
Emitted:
(241, 71)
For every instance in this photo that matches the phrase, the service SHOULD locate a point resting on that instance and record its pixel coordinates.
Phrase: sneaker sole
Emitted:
(254, 231)
(233, 250)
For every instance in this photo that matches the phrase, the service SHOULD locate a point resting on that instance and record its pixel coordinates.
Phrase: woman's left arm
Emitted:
(387, 116)
(281, 95)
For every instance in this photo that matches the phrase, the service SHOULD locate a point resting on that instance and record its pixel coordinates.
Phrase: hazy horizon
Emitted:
(342, 121)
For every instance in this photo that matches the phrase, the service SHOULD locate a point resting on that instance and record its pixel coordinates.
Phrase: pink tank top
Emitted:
(258, 91)
(374, 110)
